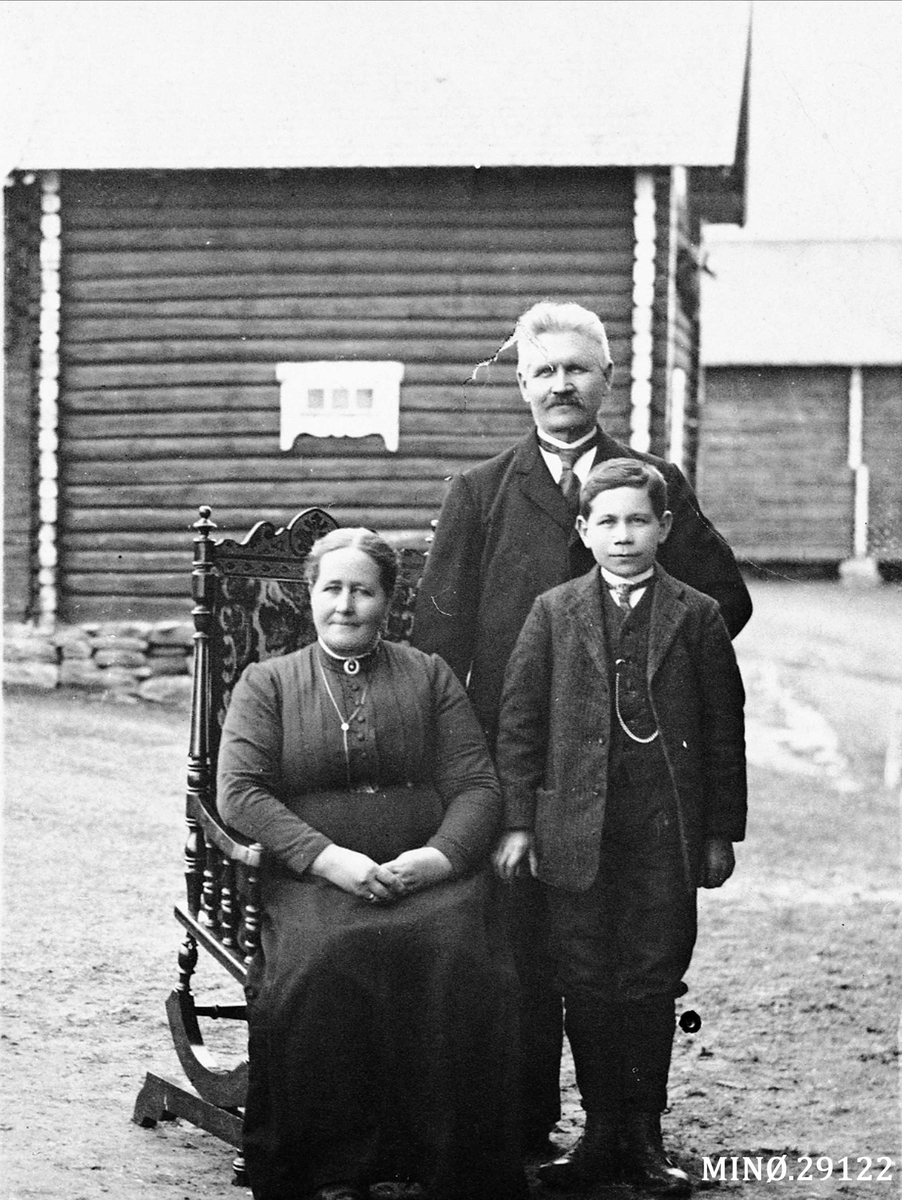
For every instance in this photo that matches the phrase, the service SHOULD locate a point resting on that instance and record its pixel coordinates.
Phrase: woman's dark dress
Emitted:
(379, 1033)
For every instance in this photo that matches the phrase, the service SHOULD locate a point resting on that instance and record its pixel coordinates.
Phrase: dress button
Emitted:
(361, 737)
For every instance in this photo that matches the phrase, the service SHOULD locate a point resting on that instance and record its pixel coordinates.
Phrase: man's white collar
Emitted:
(553, 441)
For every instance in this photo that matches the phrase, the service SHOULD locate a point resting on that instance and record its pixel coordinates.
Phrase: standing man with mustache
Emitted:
(506, 533)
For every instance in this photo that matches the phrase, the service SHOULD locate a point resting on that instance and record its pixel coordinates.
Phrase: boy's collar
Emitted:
(613, 580)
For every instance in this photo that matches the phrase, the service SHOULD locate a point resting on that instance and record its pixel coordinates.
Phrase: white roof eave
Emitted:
(166, 84)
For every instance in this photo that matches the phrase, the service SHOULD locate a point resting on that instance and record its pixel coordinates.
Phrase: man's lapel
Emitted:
(609, 448)
(668, 611)
(537, 485)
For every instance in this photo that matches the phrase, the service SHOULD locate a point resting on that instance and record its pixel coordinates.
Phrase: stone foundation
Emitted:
(126, 661)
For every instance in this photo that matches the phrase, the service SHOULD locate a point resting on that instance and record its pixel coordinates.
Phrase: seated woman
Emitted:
(381, 1011)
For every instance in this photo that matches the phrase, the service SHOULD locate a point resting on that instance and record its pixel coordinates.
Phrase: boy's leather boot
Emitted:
(594, 1159)
(644, 1162)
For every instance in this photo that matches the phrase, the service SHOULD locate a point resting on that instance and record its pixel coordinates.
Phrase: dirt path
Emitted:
(795, 976)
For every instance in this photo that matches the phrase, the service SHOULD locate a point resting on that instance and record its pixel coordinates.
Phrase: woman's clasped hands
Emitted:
(383, 883)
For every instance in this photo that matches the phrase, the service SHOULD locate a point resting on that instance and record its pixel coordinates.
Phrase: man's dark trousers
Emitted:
(525, 911)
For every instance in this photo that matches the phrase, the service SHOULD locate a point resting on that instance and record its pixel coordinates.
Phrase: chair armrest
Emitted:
(222, 878)
(228, 841)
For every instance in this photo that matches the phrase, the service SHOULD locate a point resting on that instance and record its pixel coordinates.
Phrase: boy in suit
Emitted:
(622, 756)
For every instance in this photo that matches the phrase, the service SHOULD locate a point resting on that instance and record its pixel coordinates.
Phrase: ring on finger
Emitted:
(372, 897)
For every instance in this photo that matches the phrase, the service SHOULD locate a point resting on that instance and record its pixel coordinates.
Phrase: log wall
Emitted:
(181, 291)
(773, 470)
(882, 398)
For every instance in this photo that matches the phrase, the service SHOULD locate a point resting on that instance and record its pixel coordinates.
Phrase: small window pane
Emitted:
(340, 398)
(316, 397)
(364, 397)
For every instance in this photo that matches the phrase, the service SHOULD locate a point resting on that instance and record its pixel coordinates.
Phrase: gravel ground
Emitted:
(795, 976)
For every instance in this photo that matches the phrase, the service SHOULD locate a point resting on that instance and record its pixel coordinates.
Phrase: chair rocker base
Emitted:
(224, 1087)
(162, 1099)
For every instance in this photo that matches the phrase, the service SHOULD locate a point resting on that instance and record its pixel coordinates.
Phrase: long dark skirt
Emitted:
(383, 1045)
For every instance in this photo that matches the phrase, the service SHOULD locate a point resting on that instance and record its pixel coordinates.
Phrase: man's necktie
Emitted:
(569, 480)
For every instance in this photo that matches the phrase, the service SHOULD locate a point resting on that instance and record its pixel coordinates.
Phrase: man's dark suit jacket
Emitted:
(555, 735)
(504, 536)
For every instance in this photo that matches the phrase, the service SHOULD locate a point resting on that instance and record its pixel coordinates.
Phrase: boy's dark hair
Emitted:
(624, 472)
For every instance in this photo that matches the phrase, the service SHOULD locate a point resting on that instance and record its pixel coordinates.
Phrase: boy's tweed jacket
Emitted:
(555, 733)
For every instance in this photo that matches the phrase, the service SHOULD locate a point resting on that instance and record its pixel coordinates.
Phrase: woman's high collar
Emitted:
(347, 664)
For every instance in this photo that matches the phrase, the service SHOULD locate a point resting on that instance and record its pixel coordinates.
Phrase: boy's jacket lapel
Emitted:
(584, 610)
(668, 611)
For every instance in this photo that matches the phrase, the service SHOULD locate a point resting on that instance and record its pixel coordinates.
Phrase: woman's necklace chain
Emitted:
(344, 721)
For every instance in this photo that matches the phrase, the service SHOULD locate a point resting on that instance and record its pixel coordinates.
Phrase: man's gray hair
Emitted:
(549, 316)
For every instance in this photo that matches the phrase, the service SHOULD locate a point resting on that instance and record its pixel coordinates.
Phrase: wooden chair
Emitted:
(250, 604)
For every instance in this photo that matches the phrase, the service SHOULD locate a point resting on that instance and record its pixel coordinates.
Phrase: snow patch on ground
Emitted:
(785, 734)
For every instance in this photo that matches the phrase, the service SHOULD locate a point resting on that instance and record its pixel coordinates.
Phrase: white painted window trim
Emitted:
(379, 382)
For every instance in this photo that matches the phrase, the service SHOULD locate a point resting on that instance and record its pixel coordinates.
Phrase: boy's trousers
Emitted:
(621, 949)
